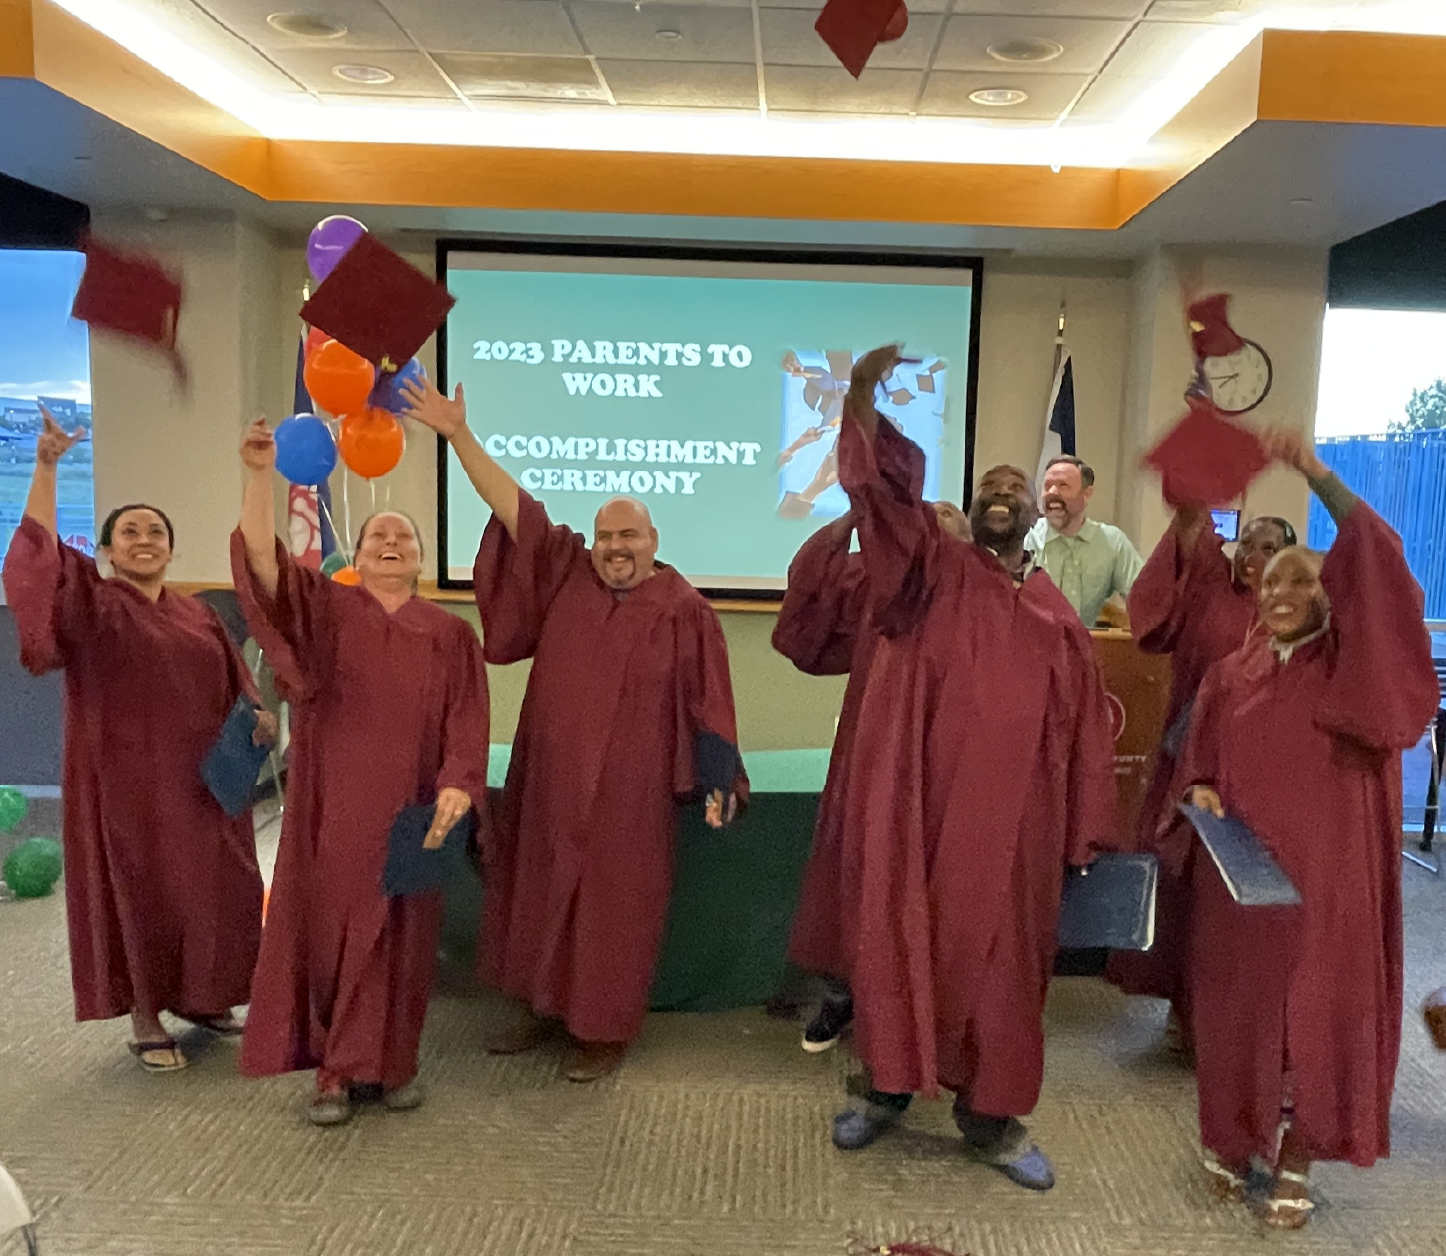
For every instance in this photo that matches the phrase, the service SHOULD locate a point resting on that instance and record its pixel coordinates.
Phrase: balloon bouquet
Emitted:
(365, 428)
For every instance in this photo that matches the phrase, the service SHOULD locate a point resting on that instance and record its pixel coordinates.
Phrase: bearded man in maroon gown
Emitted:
(389, 708)
(1197, 605)
(980, 769)
(162, 891)
(629, 709)
(1297, 1010)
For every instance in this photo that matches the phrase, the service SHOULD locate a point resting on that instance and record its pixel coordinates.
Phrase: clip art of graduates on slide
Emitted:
(1298, 682)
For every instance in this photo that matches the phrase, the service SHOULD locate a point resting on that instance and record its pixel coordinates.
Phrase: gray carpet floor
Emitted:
(712, 1139)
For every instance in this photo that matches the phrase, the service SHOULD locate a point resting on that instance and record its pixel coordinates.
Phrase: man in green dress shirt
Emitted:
(1089, 561)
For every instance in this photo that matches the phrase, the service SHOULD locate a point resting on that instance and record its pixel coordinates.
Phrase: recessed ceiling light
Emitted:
(667, 34)
(373, 74)
(1023, 50)
(999, 97)
(307, 25)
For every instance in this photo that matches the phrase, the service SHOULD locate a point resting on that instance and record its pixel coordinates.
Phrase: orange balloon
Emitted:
(346, 575)
(371, 443)
(315, 338)
(338, 380)
(265, 902)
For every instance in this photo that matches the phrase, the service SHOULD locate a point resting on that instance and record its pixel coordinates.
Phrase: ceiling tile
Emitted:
(536, 27)
(807, 89)
(1049, 95)
(414, 75)
(1150, 54)
(813, 6)
(202, 32)
(1087, 42)
(623, 32)
(682, 84)
(506, 76)
(419, 103)
(789, 39)
(1119, 9)
(368, 25)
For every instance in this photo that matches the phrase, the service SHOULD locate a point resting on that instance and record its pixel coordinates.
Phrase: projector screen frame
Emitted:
(784, 254)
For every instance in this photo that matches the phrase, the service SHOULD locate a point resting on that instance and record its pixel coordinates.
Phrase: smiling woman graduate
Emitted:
(389, 710)
(162, 892)
(1297, 1010)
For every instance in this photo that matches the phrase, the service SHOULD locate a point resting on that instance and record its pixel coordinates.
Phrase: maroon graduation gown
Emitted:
(386, 710)
(1188, 605)
(981, 767)
(824, 628)
(162, 892)
(1308, 754)
(580, 864)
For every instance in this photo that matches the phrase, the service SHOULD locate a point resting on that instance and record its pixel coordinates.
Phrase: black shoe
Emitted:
(824, 1029)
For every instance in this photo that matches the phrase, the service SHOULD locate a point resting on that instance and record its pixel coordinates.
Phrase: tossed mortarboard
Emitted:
(232, 764)
(413, 869)
(1210, 332)
(378, 305)
(1249, 871)
(854, 28)
(1205, 459)
(130, 295)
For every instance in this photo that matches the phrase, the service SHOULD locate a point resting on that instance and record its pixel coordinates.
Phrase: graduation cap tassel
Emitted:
(859, 1247)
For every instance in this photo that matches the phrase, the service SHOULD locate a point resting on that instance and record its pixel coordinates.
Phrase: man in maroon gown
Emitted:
(162, 891)
(1197, 605)
(980, 768)
(629, 709)
(1297, 1010)
(389, 708)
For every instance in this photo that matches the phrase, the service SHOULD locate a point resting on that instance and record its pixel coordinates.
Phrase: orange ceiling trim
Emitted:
(17, 40)
(1344, 76)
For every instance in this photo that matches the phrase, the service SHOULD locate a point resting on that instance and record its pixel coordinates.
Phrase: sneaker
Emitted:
(332, 1107)
(1008, 1150)
(855, 1128)
(405, 1098)
(825, 1029)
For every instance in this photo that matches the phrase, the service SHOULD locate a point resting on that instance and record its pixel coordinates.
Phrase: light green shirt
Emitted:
(1090, 567)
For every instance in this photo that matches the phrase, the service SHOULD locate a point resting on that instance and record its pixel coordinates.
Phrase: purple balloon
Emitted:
(330, 239)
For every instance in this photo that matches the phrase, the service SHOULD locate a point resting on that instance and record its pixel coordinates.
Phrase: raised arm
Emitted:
(258, 456)
(818, 622)
(1189, 553)
(449, 420)
(51, 446)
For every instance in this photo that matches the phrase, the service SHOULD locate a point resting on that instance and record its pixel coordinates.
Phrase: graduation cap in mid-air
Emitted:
(132, 296)
(854, 28)
(378, 304)
(1211, 335)
(1206, 459)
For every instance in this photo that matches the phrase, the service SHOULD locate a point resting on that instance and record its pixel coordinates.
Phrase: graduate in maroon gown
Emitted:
(163, 896)
(629, 709)
(981, 767)
(1196, 604)
(1297, 1010)
(389, 708)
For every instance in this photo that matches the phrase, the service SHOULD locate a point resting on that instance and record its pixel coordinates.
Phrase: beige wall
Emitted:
(239, 331)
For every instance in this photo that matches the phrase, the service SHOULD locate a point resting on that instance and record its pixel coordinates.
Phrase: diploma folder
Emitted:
(411, 868)
(1110, 904)
(234, 761)
(1251, 875)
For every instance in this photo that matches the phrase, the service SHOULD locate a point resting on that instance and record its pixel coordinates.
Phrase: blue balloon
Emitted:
(387, 395)
(305, 450)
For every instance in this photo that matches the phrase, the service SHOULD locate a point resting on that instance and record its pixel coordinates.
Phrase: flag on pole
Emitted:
(1059, 415)
(307, 524)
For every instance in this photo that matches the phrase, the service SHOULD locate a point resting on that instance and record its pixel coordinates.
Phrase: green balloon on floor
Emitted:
(32, 868)
(14, 807)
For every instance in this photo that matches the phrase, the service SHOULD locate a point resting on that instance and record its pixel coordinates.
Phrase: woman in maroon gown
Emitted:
(1197, 605)
(162, 892)
(1297, 1010)
(389, 709)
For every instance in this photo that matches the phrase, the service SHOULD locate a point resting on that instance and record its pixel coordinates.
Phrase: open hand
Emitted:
(267, 730)
(431, 409)
(54, 442)
(1206, 799)
(452, 805)
(258, 447)
(1289, 445)
(719, 812)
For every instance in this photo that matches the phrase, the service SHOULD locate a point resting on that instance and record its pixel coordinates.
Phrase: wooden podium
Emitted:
(1138, 685)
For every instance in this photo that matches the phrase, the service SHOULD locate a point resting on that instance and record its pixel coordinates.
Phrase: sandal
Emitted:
(1289, 1212)
(1223, 1182)
(225, 1025)
(146, 1053)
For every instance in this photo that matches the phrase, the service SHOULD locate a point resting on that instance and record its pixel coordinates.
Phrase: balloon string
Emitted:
(330, 523)
(346, 502)
(373, 485)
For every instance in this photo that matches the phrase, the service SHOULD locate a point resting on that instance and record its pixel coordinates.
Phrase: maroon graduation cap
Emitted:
(1205, 459)
(1210, 332)
(132, 296)
(854, 28)
(378, 305)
